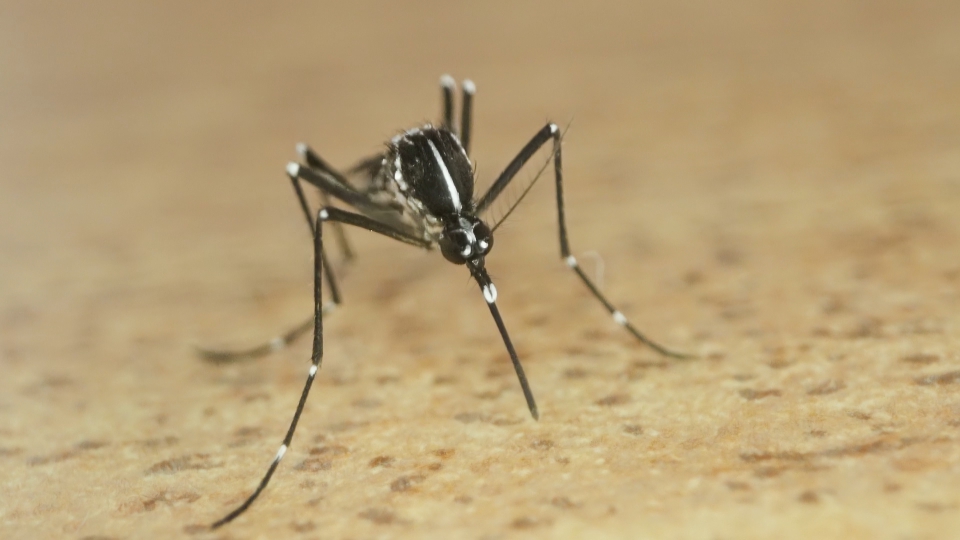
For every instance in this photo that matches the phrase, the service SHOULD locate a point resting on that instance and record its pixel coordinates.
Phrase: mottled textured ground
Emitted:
(773, 186)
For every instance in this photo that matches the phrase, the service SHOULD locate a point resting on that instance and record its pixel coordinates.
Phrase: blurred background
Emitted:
(772, 185)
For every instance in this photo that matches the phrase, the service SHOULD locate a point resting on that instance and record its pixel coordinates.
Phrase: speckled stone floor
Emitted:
(772, 186)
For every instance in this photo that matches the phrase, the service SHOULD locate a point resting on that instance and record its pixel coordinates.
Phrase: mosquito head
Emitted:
(465, 239)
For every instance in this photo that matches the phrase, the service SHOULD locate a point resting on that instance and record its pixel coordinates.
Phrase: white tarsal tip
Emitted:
(276, 344)
(324, 214)
(293, 169)
(490, 293)
(313, 370)
(554, 128)
(469, 87)
(302, 149)
(447, 80)
(281, 452)
(619, 318)
(571, 261)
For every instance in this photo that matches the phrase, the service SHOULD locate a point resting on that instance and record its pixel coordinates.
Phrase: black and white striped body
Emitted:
(427, 176)
(419, 191)
(430, 166)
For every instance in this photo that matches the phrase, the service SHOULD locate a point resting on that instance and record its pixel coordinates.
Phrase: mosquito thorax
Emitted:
(465, 238)
(430, 166)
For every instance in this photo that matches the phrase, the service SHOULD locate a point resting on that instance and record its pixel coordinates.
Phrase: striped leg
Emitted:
(489, 291)
(447, 88)
(328, 181)
(314, 161)
(221, 356)
(466, 114)
(320, 272)
(552, 132)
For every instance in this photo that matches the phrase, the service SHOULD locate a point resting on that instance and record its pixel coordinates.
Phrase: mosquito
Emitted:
(418, 191)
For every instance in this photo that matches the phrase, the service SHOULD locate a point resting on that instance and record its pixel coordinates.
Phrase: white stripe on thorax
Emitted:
(446, 176)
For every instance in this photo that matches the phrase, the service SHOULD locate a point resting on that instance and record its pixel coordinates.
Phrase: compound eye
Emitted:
(455, 248)
(484, 237)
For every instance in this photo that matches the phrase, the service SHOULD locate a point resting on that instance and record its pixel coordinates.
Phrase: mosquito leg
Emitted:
(321, 180)
(314, 161)
(490, 296)
(466, 114)
(552, 132)
(329, 182)
(321, 272)
(447, 87)
(222, 356)
(316, 358)
(328, 177)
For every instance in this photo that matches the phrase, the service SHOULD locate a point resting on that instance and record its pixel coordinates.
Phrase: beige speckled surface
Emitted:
(773, 186)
